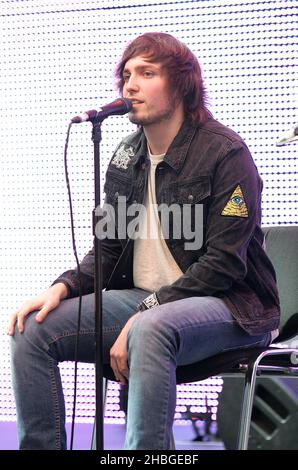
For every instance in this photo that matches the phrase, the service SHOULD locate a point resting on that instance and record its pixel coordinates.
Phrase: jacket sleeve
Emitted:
(230, 224)
(111, 250)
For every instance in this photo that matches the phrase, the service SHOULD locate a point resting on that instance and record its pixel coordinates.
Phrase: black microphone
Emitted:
(118, 107)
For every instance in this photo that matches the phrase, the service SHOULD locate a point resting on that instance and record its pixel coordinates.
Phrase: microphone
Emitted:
(118, 107)
(288, 137)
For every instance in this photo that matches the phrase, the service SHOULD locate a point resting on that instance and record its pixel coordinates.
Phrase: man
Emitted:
(169, 300)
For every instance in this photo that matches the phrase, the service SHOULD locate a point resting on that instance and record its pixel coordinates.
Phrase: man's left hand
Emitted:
(119, 355)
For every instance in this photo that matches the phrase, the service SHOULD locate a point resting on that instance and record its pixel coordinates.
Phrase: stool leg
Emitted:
(172, 441)
(247, 405)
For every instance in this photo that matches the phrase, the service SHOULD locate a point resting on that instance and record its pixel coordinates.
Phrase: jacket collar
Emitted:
(177, 151)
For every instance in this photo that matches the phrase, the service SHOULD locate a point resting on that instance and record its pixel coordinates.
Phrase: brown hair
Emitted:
(184, 71)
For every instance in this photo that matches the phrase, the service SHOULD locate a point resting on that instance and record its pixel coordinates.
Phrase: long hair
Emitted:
(182, 67)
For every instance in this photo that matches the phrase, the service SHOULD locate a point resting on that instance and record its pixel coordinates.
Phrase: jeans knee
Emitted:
(22, 343)
(150, 331)
(143, 327)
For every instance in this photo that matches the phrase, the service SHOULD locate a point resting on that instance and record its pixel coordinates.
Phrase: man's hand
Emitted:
(118, 353)
(44, 302)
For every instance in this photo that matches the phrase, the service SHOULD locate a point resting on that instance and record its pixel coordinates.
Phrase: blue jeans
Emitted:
(173, 334)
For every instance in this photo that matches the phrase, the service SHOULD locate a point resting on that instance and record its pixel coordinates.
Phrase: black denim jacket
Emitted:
(204, 165)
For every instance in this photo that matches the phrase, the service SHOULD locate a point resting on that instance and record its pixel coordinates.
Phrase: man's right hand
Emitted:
(44, 302)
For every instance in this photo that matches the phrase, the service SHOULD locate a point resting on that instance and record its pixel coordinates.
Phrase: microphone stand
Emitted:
(118, 107)
(99, 418)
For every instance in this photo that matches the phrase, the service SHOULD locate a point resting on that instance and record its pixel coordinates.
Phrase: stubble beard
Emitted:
(153, 118)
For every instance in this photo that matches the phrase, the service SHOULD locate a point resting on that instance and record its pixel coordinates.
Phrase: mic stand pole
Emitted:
(96, 137)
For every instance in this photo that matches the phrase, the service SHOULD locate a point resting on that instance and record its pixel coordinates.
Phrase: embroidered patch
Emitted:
(151, 301)
(236, 206)
(123, 156)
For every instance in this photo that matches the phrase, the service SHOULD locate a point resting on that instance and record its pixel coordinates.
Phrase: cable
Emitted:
(80, 290)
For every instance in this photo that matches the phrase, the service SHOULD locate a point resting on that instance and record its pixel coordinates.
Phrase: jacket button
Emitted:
(123, 276)
(190, 197)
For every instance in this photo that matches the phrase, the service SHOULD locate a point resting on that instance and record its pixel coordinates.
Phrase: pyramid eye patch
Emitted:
(236, 206)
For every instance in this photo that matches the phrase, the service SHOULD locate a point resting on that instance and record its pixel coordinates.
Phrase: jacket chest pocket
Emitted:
(192, 191)
(185, 210)
(118, 188)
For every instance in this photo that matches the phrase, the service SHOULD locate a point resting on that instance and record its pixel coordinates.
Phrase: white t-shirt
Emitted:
(153, 265)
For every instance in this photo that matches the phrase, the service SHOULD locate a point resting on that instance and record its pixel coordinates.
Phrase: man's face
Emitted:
(146, 84)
